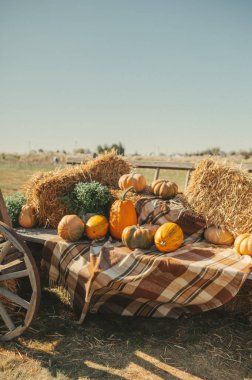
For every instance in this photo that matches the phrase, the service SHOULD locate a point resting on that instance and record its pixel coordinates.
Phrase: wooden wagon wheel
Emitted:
(17, 264)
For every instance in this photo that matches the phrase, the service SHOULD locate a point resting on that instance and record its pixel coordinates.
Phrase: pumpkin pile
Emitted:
(118, 217)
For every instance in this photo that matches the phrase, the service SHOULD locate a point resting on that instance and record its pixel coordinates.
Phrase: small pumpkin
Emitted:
(243, 244)
(71, 228)
(122, 214)
(135, 180)
(218, 235)
(27, 217)
(168, 237)
(96, 227)
(164, 189)
(139, 236)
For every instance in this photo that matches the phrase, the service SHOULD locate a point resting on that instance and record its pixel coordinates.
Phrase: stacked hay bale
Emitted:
(222, 194)
(44, 191)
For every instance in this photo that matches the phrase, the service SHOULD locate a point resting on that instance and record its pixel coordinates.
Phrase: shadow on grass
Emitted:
(212, 345)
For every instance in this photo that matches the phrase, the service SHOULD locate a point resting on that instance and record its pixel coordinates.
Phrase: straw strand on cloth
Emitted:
(222, 194)
(44, 191)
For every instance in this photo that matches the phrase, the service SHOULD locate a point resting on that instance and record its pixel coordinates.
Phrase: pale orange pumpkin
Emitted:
(122, 214)
(218, 235)
(139, 236)
(168, 237)
(243, 244)
(96, 227)
(135, 180)
(71, 228)
(27, 217)
(164, 189)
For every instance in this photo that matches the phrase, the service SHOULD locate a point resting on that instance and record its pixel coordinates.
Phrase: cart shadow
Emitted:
(109, 346)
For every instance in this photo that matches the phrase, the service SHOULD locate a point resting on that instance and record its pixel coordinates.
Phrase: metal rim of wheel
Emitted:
(20, 265)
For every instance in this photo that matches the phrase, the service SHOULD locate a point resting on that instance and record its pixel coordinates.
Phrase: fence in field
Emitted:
(157, 165)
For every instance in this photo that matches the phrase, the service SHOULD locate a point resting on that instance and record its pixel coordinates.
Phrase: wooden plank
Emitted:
(163, 165)
(36, 235)
(4, 216)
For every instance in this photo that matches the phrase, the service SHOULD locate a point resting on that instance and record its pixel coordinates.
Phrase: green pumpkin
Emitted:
(139, 236)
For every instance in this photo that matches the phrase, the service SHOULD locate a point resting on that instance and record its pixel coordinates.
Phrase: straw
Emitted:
(222, 194)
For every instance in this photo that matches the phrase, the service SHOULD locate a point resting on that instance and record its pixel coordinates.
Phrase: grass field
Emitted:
(213, 345)
(14, 174)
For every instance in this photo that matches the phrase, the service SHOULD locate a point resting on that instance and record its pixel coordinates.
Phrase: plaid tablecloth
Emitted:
(111, 278)
(108, 277)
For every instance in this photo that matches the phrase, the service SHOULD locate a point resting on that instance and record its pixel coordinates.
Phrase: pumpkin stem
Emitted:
(125, 192)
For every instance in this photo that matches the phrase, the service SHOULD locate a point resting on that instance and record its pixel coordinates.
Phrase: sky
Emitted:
(159, 76)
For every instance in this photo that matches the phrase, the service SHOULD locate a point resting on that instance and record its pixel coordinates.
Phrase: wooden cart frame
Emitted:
(17, 261)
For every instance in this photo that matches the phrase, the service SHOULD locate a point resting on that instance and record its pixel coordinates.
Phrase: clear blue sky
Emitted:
(158, 76)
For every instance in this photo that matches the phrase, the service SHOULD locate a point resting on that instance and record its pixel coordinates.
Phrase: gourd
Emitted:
(243, 244)
(96, 227)
(139, 236)
(168, 237)
(135, 180)
(122, 214)
(27, 217)
(218, 235)
(71, 228)
(164, 189)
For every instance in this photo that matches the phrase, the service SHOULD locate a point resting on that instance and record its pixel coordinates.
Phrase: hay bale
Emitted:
(45, 190)
(222, 194)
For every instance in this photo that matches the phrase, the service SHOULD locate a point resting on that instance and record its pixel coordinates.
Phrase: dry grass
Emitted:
(222, 193)
(212, 345)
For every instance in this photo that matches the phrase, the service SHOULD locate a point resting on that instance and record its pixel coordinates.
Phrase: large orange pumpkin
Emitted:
(96, 227)
(71, 228)
(122, 214)
(218, 235)
(243, 244)
(27, 217)
(168, 237)
(135, 180)
(139, 236)
(164, 189)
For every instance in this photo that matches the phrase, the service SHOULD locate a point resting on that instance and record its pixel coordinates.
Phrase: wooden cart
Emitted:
(19, 280)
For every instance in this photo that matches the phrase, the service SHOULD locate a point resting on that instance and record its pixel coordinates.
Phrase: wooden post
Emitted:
(4, 216)
(156, 175)
(188, 173)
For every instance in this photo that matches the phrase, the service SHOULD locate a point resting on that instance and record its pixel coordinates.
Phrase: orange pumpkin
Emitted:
(27, 217)
(218, 235)
(122, 214)
(137, 181)
(168, 237)
(139, 236)
(71, 228)
(96, 227)
(243, 244)
(164, 189)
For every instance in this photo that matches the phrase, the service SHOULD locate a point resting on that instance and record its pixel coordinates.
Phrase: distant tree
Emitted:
(82, 151)
(41, 150)
(106, 148)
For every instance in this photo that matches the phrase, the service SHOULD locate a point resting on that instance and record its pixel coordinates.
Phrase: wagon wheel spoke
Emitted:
(14, 298)
(6, 318)
(17, 264)
(14, 275)
(12, 265)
